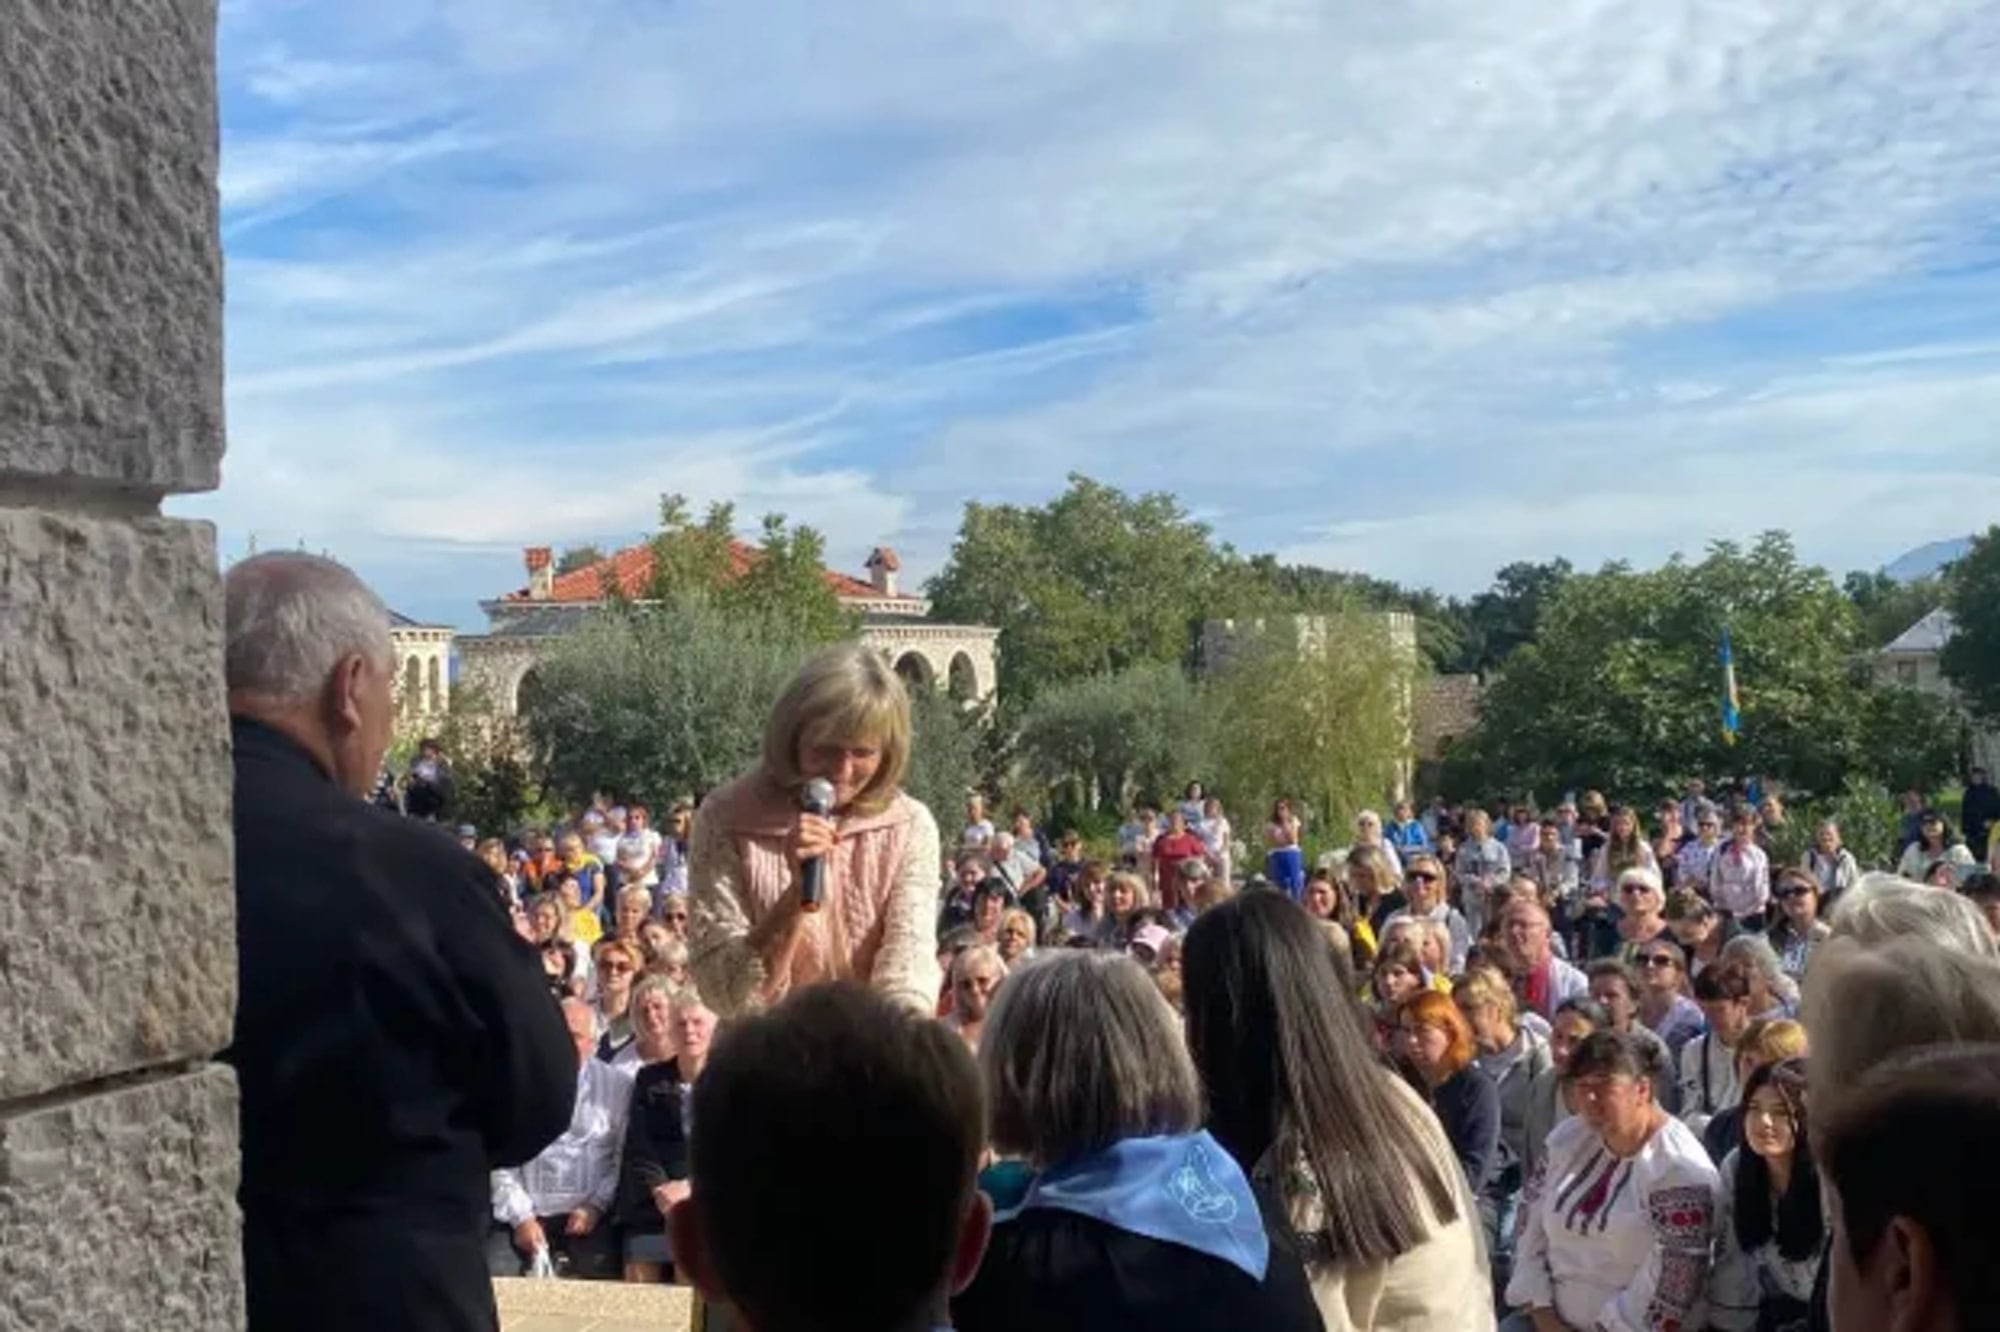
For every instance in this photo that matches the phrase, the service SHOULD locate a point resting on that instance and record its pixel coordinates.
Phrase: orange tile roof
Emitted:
(633, 570)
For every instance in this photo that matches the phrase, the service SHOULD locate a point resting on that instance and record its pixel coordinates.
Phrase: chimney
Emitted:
(883, 567)
(541, 562)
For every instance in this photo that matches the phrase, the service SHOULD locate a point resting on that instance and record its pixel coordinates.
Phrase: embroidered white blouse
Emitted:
(1619, 1245)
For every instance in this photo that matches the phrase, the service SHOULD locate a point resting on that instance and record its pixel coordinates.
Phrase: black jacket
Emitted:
(394, 1042)
(656, 1145)
(1468, 1105)
(1056, 1271)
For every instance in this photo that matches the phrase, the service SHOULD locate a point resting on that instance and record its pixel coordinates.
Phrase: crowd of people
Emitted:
(1584, 1069)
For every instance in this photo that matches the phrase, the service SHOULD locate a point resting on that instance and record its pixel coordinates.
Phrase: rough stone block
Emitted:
(110, 258)
(118, 1210)
(119, 947)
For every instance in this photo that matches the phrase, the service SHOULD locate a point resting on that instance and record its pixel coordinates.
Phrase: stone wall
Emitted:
(118, 1154)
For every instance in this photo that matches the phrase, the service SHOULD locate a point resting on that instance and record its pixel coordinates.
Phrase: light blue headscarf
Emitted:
(1181, 1189)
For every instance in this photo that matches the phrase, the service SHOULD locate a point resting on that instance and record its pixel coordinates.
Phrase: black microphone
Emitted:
(816, 798)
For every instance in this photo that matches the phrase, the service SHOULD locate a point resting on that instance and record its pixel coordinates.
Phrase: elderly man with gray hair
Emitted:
(394, 1037)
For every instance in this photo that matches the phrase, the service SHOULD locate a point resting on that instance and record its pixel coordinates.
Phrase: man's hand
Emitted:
(581, 1222)
(667, 1194)
(528, 1236)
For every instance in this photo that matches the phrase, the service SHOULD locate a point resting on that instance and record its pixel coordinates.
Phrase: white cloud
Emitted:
(1368, 273)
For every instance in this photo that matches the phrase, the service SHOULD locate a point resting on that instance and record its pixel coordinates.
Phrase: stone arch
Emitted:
(916, 670)
(411, 702)
(963, 679)
(527, 689)
(434, 687)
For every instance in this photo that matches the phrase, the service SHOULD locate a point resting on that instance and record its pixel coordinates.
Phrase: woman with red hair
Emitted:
(1437, 1040)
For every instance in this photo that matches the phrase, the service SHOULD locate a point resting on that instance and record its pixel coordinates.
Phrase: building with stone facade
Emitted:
(1911, 660)
(524, 624)
(423, 672)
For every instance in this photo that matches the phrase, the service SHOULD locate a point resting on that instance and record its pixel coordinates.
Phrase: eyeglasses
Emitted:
(1629, 888)
(617, 968)
(1796, 890)
(1420, 876)
(1659, 960)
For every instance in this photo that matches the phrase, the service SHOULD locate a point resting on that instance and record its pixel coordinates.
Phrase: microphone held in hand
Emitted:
(816, 798)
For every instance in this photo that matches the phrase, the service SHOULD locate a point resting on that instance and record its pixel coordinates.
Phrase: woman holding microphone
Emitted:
(839, 738)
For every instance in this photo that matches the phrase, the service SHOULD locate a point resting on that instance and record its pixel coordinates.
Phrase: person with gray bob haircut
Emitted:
(1117, 1211)
(395, 1040)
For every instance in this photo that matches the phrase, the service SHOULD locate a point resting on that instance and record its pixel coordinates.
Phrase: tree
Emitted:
(1323, 722)
(1092, 583)
(494, 788)
(691, 560)
(1622, 689)
(787, 580)
(1507, 615)
(1100, 742)
(1887, 607)
(657, 702)
(944, 755)
(1971, 660)
(578, 557)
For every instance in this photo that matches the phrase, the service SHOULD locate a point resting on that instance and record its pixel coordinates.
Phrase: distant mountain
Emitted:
(1925, 561)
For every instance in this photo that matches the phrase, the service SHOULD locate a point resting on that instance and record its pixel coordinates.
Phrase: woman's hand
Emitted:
(1548, 1320)
(667, 1194)
(812, 836)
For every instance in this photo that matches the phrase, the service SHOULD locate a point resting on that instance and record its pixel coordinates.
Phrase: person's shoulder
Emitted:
(1676, 1154)
(1570, 1136)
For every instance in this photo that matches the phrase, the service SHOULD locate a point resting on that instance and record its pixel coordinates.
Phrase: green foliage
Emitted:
(657, 702)
(495, 789)
(578, 557)
(696, 563)
(1321, 722)
(1621, 687)
(944, 756)
(1869, 818)
(1093, 583)
(1100, 742)
(787, 581)
(1886, 607)
(1971, 660)
(1507, 616)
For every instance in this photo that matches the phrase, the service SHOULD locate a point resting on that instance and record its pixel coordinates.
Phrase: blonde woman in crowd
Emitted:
(976, 974)
(845, 720)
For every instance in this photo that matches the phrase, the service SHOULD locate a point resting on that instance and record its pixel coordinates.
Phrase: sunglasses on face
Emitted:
(1420, 876)
(1658, 960)
(1787, 894)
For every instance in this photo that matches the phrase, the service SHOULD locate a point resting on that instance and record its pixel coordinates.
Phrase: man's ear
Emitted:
(1912, 1286)
(690, 1248)
(343, 693)
(973, 1234)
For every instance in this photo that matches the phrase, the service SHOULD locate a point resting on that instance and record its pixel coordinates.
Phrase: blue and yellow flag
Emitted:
(1729, 700)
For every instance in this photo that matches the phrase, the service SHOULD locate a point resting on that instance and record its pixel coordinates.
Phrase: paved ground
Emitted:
(591, 1306)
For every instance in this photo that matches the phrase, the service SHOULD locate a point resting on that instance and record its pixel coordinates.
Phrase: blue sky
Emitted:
(1414, 289)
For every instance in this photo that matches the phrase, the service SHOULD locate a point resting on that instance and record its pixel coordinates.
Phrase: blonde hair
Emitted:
(1769, 1040)
(961, 965)
(1012, 914)
(1141, 895)
(1484, 985)
(845, 694)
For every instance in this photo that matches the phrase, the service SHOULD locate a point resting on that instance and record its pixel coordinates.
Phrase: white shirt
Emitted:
(1739, 879)
(1707, 1078)
(604, 845)
(1743, 1276)
(1618, 1245)
(977, 835)
(638, 849)
(580, 1168)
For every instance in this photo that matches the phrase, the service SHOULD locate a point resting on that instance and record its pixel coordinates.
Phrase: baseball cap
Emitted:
(1152, 938)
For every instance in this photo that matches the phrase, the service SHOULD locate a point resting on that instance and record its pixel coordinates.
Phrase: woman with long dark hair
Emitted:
(1296, 1096)
(1772, 1223)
